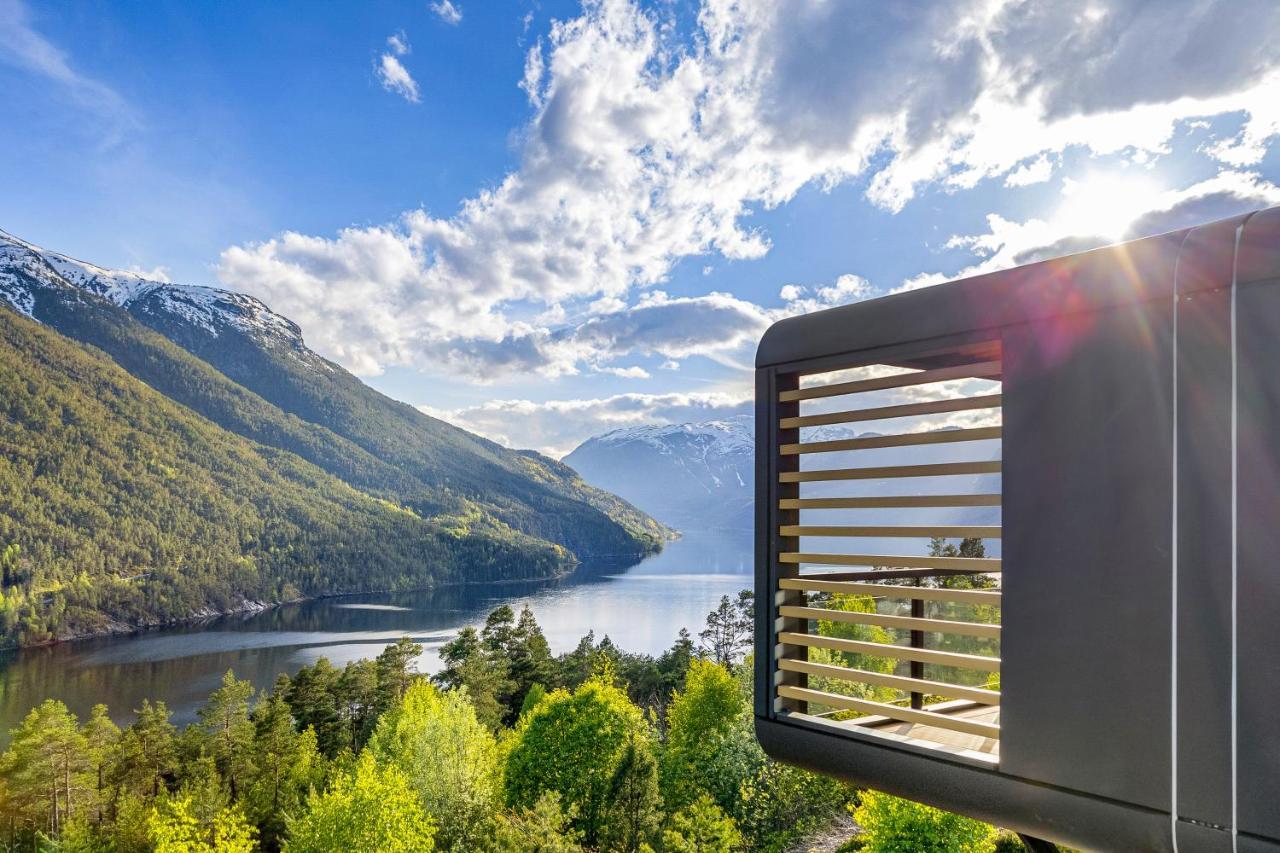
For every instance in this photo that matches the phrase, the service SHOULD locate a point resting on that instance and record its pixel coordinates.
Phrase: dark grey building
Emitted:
(1087, 652)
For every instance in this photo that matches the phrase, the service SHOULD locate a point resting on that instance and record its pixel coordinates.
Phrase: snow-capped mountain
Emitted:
(29, 273)
(691, 476)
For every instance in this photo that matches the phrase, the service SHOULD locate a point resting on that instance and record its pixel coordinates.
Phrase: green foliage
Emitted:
(449, 758)
(634, 804)
(772, 804)
(229, 731)
(394, 670)
(342, 706)
(148, 752)
(531, 699)
(173, 828)
(117, 504)
(374, 757)
(544, 828)
(287, 765)
(701, 827)
(894, 825)
(701, 717)
(284, 396)
(371, 807)
(573, 743)
(47, 769)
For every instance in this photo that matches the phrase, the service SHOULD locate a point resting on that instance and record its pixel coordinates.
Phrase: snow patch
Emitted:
(207, 308)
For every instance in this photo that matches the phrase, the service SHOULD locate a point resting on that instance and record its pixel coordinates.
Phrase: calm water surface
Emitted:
(640, 608)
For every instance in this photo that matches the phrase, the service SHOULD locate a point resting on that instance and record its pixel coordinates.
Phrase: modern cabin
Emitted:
(1018, 543)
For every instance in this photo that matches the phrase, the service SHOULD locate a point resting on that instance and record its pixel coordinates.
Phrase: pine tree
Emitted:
(46, 767)
(395, 671)
(729, 629)
(357, 700)
(312, 697)
(542, 828)
(275, 748)
(530, 660)
(102, 738)
(148, 755)
(224, 718)
(701, 827)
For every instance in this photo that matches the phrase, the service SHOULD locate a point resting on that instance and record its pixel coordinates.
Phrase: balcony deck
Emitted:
(983, 749)
(943, 737)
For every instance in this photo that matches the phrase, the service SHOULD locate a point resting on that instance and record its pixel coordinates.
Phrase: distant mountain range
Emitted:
(179, 450)
(701, 476)
(694, 476)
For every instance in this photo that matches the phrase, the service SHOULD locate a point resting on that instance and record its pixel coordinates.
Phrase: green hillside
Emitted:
(119, 507)
(526, 490)
(266, 385)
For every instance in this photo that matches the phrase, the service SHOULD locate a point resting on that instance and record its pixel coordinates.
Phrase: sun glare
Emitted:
(1105, 204)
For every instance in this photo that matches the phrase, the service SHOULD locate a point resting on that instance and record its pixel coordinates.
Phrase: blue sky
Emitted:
(544, 220)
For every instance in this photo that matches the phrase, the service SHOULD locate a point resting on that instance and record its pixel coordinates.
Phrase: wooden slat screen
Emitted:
(909, 643)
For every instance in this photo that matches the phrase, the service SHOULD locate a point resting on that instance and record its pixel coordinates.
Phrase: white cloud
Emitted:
(391, 72)
(847, 288)
(1008, 243)
(556, 427)
(1035, 172)
(645, 148)
(633, 372)
(448, 11)
(399, 43)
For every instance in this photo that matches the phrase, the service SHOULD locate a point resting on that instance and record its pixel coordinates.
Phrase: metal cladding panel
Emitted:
(1200, 838)
(1259, 255)
(1258, 555)
(1204, 524)
(1125, 274)
(1252, 844)
(1088, 429)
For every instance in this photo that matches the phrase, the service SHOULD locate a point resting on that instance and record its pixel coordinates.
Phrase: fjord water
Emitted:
(641, 608)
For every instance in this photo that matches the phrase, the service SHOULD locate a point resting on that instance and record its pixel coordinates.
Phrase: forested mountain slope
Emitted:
(119, 507)
(248, 369)
(171, 451)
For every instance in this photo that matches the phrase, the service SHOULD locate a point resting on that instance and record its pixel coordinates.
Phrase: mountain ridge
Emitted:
(230, 360)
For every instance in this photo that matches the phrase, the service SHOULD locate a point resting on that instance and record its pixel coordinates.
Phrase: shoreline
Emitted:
(253, 607)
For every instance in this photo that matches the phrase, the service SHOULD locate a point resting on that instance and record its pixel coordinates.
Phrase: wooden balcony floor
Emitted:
(986, 748)
(945, 737)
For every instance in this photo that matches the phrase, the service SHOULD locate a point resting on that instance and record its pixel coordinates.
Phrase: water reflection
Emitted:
(640, 608)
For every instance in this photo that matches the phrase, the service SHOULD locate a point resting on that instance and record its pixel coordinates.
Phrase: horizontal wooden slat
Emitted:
(975, 564)
(933, 407)
(839, 644)
(906, 715)
(982, 370)
(879, 590)
(892, 472)
(918, 685)
(909, 439)
(890, 502)
(904, 623)
(876, 575)
(946, 531)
